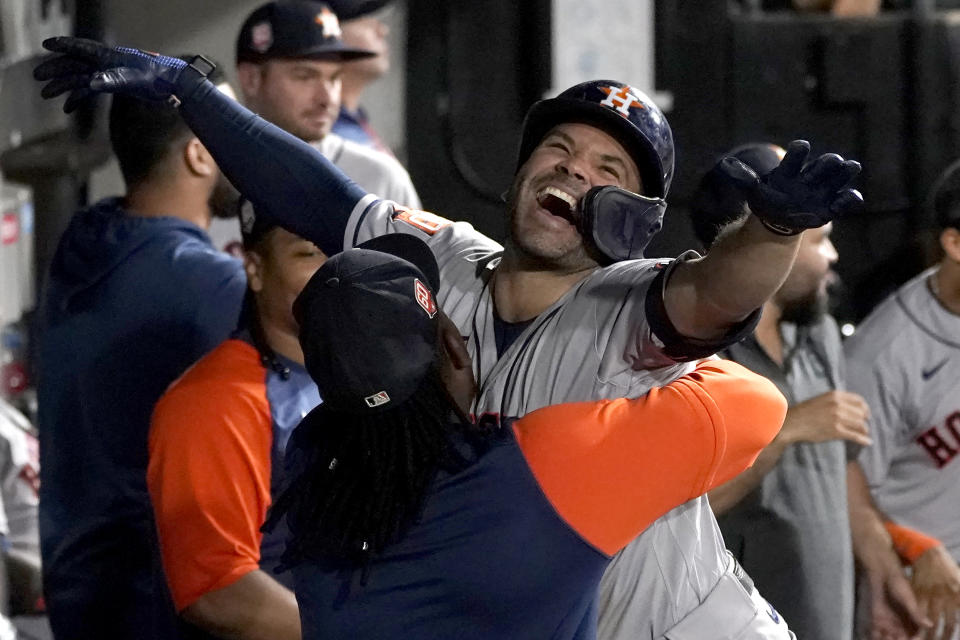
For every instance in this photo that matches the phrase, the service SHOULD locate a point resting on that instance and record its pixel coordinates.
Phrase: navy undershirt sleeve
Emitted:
(285, 178)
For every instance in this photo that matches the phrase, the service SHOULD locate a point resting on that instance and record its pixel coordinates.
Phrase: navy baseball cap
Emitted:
(294, 29)
(368, 324)
(350, 9)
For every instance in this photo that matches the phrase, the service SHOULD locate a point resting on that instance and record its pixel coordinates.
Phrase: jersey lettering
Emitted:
(953, 424)
(936, 445)
(425, 221)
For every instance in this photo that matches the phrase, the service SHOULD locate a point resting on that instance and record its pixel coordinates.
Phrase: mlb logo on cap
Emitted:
(377, 399)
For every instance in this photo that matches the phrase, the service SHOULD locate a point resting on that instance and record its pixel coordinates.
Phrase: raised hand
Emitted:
(85, 67)
(797, 194)
(834, 415)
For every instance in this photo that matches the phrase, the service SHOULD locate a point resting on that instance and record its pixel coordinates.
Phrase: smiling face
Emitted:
(543, 200)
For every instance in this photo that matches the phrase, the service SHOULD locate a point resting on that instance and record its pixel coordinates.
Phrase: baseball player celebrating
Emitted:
(905, 360)
(565, 311)
(497, 518)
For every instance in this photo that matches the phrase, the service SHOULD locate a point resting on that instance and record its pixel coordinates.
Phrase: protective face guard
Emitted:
(620, 223)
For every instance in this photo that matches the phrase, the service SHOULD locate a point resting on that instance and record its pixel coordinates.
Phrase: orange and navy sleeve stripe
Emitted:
(209, 471)
(610, 468)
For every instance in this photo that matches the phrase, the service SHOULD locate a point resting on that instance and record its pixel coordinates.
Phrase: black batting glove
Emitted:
(85, 67)
(798, 195)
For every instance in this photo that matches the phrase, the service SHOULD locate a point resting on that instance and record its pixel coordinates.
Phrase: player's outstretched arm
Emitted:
(285, 178)
(610, 468)
(705, 298)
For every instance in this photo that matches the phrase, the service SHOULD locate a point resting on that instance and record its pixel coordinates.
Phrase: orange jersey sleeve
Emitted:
(612, 467)
(209, 471)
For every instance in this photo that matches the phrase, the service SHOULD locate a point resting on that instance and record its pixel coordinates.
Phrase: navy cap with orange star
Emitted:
(301, 29)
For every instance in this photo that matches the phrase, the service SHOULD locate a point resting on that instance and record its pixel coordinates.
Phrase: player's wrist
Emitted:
(191, 77)
(910, 544)
(777, 228)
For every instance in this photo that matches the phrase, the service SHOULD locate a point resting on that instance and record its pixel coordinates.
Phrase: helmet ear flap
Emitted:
(619, 223)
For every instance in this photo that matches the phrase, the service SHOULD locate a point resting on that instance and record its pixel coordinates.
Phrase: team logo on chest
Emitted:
(620, 99)
(424, 298)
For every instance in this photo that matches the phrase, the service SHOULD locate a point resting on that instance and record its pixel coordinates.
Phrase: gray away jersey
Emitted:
(905, 360)
(594, 343)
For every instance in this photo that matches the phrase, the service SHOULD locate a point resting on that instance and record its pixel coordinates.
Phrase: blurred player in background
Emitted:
(217, 441)
(363, 27)
(905, 360)
(19, 507)
(136, 294)
(785, 519)
(291, 60)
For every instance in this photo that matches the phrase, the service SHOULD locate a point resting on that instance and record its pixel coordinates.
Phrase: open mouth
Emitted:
(558, 202)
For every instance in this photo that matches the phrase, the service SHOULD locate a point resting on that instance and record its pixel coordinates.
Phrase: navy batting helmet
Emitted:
(624, 112)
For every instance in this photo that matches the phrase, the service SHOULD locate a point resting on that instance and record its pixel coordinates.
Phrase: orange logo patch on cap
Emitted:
(328, 22)
(424, 299)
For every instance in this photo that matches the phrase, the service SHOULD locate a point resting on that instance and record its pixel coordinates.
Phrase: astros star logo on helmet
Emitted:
(328, 22)
(620, 99)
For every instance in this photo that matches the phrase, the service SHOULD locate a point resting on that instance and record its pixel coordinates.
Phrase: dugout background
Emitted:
(883, 90)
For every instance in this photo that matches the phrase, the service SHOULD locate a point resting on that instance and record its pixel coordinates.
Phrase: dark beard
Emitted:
(806, 311)
(224, 199)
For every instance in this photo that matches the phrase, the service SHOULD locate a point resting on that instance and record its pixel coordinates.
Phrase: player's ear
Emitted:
(249, 77)
(950, 242)
(253, 266)
(198, 159)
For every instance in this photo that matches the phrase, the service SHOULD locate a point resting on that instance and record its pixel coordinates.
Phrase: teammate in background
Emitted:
(455, 530)
(363, 27)
(136, 293)
(785, 519)
(563, 313)
(905, 360)
(291, 61)
(19, 505)
(216, 448)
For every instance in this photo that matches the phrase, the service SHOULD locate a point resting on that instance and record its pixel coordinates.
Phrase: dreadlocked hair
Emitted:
(364, 478)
